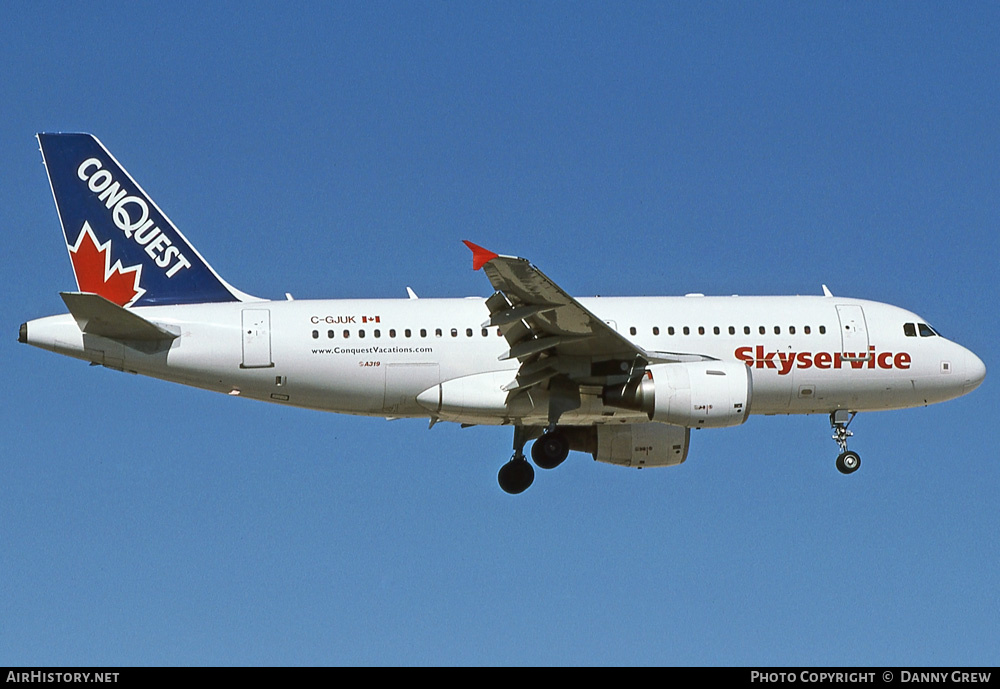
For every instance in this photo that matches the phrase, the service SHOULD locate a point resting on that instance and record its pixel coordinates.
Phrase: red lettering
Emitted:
(765, 360)
(784, 362)
(745, 355)
(787, 361)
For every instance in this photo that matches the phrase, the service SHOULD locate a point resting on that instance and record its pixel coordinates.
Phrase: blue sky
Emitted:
(344, 150)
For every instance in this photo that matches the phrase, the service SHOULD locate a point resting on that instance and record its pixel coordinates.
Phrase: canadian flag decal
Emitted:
(94, 272)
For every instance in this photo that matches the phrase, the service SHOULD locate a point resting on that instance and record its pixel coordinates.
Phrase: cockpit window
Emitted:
(926, 330)
(909, 329)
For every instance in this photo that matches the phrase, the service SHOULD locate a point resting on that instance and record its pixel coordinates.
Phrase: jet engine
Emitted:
(635, 445)
(702, 394)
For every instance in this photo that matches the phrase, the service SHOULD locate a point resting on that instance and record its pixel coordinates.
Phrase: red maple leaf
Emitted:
(94, 272)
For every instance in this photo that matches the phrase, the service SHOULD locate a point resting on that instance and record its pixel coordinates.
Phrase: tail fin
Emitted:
(120, 243)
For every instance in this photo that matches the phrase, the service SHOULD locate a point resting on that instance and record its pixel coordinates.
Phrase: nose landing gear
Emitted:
(847, 461)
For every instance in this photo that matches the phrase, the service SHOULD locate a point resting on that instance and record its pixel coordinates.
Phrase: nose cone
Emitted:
(975, 371)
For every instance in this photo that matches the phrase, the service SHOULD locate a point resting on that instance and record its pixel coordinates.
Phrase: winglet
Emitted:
(480, 256)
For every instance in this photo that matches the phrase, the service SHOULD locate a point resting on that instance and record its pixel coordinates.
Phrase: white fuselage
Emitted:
(375, 357)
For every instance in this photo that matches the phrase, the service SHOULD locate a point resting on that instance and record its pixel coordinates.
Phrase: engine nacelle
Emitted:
(702, 394)
(631, 445)
(642, 445)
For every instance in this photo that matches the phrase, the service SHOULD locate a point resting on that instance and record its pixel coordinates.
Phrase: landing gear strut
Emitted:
(517, 475)
(548, 452)
(847, 461)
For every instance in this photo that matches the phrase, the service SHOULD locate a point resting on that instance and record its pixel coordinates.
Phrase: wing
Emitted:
(555, 338)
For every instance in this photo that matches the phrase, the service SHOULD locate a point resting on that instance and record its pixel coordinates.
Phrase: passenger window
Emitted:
(392, 333)
(485, 332)
(468, 332)
(423, 332)
(315, 334)
(437, 332)
(656, 330)
(701, 330)
(791, 330)
(347, 334)
(454, 332)
(361, 333)
(377, 333)
(407, 333)
(763, 330)
(687, 330)
(732, 330)
(631, 331)
(909, 330)
(746, 329)
(807, 330)
(715, 330)
(329, 334)
(670, 330)
(822, 330)
(777, 330)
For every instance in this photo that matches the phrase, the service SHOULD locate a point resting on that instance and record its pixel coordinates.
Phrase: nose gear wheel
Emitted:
(847, 461)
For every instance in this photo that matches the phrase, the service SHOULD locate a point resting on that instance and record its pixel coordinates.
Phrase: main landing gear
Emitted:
(516, 476)
(548, 452)
(847, 461)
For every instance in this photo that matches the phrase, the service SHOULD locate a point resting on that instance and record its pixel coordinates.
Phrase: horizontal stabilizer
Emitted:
(98, 316)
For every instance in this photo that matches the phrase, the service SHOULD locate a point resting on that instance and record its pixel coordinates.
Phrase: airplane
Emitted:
(624, 379)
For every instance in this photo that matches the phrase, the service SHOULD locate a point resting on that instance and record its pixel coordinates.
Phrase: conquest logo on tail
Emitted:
(784, 362)
(131, 215)
(129, 236)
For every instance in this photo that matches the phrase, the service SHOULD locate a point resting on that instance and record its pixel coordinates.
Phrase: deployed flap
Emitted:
(97, 316)
(556, 320)
(552, 334)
